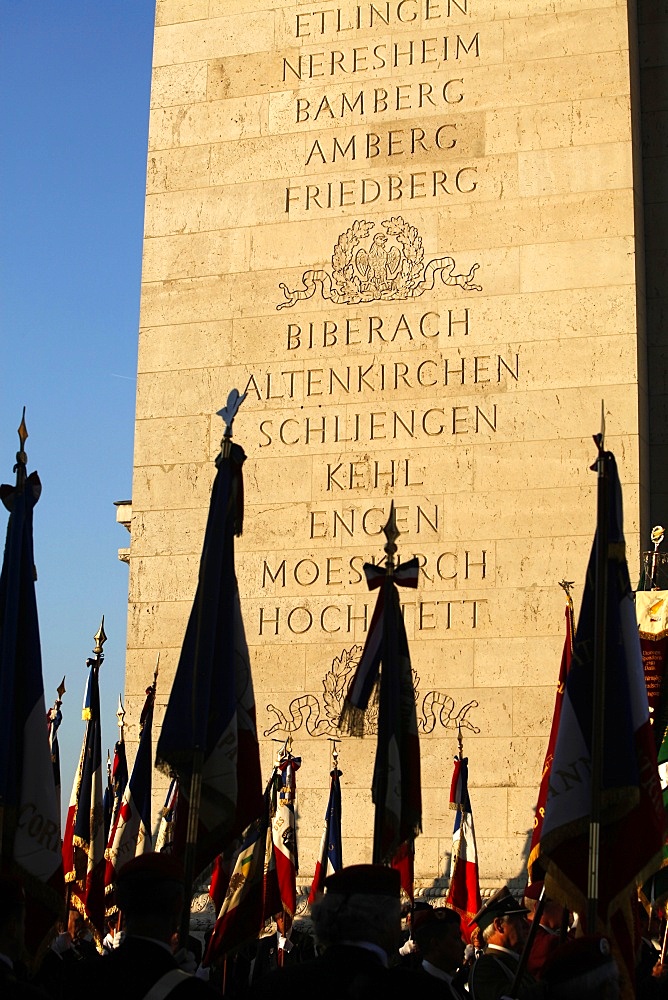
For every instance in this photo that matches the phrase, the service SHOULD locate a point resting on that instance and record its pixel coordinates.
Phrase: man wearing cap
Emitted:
(149, 893)
(357, 926)
(504, 927)
(438, 935)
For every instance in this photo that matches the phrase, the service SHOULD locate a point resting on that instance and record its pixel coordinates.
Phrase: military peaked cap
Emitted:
(501, 904)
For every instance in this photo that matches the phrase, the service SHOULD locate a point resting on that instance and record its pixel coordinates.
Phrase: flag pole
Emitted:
(528, 944)
(600, 622)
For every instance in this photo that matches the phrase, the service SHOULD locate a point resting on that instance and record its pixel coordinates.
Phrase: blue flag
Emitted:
(330, 856)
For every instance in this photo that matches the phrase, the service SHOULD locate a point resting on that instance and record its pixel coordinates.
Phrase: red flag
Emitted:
(404, 862)
(566, 656)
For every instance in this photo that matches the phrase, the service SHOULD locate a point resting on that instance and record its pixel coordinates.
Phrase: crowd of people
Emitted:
(356, 942)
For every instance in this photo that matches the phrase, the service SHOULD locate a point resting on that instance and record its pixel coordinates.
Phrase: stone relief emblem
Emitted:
(322, 719)
(382, 270)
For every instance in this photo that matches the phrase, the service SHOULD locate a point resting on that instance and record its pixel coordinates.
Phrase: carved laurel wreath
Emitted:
(344, 278)
(437, 708)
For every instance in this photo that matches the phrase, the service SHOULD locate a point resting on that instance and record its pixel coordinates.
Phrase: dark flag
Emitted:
(209, 726)
(119, 769)
(330, 856)
(29, 817)
(131, 834)
(54, 718)
(107, 802)
(83, 844)
(631, 827)
(396, 789)
(566, 656)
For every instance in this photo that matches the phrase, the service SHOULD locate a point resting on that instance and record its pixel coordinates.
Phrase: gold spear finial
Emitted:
(23, 430)
(100, 638)
(657, 536)
(391, 532)
(460, 742)
(155, 672)
(61, 689)
(566, 587)
(21, 457)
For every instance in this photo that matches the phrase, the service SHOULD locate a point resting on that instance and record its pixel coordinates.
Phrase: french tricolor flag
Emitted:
(330, 857)
(464, 890)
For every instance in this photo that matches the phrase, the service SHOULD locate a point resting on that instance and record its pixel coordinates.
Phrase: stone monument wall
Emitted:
(408, 231)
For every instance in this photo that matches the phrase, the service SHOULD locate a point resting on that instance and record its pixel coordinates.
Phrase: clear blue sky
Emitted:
(74, 85)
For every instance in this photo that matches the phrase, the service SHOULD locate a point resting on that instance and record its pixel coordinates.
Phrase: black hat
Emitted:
(148, 883)
(433, 922)
(372, 880)
(501, 904)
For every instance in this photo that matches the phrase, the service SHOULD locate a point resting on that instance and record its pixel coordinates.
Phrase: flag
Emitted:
(566, 656)
(631, 816)
(119, 778)
(163, 835)
(211, 707)
(284, 834)
(396, 789)
(652, 618)
(54, 718)
(253, 894)
(131, 834)
(108, 801)
(464, 889)
(330, 856)
(404, 862)
(83, 844)
(29, 817)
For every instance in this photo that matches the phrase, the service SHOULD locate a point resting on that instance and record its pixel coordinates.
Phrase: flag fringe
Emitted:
(352, 720)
